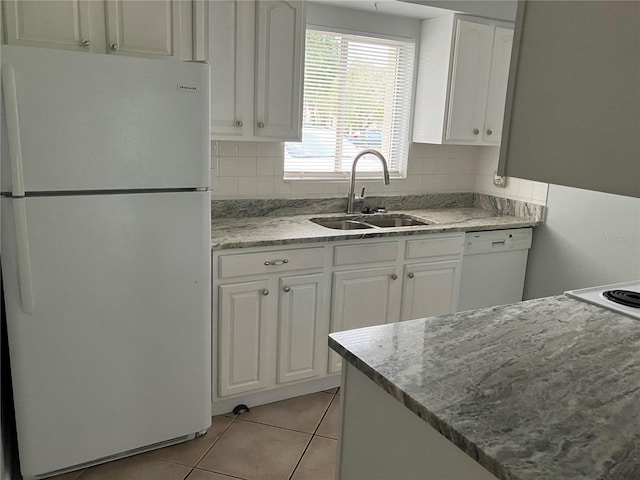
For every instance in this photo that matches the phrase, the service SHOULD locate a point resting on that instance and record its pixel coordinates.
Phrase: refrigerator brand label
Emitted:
(187, 88)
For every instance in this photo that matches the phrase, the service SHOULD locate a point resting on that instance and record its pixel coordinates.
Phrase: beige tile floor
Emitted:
(295, 439)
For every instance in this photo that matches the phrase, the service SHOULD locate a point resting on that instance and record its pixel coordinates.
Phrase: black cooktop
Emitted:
(628, 298)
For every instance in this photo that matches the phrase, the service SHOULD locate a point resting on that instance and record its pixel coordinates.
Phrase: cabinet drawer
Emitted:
(269, 262)
(434, 247)
(359, 254)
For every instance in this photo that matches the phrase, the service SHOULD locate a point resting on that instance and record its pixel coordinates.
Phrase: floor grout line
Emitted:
(215, 441)
(311, 438)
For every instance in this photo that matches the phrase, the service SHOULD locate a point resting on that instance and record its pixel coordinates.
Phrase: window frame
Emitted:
(401, 172)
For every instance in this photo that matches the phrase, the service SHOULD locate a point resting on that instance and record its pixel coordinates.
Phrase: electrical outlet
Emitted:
(499, 181)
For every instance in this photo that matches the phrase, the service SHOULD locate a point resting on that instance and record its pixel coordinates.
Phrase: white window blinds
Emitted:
(357, 95)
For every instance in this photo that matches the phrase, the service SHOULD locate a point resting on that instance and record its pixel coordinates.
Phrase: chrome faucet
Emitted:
(385, 171)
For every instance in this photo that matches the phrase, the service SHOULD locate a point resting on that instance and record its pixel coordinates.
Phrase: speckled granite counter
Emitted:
(547, 389)
(446, 213)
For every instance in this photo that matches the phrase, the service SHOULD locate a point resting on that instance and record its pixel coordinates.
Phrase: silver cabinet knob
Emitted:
(489, 131)
(287, 289)
(237, 123)
(85, 42)
(394, 277)
(260, 124)
(265, 292)
(113, 46)
(411, 275)
(476, 131)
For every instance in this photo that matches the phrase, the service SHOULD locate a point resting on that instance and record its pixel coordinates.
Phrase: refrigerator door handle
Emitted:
(24, 257)
(13, 129)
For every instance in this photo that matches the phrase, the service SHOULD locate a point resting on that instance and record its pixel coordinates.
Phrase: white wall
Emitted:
(498, 9)
(589, 238)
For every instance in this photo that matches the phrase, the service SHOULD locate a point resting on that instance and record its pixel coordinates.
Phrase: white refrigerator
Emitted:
(105, 251)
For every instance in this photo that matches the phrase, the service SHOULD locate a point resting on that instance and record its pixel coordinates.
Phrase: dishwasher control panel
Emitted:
(497, 241)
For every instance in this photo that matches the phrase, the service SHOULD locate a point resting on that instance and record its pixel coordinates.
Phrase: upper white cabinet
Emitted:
(255, 49)
(63, 24)
(462, 81)
(148, 28)
(573, 114)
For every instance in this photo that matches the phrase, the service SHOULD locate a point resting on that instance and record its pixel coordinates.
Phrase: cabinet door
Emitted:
(49, 24)
(280, 47)
(430, 289)
(362, 298)
(230, 45)
(302, 329)
(469, 82)
(498, 77)
(146, 28)
(242, 342)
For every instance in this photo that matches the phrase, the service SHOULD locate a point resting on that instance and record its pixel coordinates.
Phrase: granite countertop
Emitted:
(546, 389)
(444, 214)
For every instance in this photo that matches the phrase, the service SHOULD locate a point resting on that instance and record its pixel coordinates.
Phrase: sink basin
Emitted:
(393, 221)
(360, 222)
(340, 224)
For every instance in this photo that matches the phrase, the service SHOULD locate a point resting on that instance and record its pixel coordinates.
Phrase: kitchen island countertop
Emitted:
(546, 389)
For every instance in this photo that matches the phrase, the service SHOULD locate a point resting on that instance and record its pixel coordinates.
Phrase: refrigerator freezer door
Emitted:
(108, 122)
(116, 354)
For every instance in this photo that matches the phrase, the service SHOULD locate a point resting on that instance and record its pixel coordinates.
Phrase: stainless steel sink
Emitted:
(363, 222)
(393, 221)
(338, 224)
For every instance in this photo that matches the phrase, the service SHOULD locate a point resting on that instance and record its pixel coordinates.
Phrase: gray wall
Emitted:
(589, 238)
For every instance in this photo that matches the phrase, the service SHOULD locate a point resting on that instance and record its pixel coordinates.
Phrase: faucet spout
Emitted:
(352, 185)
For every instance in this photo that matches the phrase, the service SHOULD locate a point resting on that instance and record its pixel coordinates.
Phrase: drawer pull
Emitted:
(287, 289)
(276, 262)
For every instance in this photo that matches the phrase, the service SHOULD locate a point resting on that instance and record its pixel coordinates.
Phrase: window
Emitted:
(357, 95)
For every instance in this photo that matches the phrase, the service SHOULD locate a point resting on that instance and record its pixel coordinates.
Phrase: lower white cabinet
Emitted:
(430, 289)
(271, 321)
(243, 341)
(274, 307)
(362, 298)
(302, 328)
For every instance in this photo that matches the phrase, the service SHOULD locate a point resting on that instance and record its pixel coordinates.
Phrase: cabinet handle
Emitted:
(476, 131)
(410, 275)
(394, 277)
(265, 292)
(237, 123)
(85, 42)
(276, 262)
(113, 46)
(260, 124)
(489, 131)
(287, 289)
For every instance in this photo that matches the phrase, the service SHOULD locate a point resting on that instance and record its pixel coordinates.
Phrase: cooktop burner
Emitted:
(628, 298)
(621, 298)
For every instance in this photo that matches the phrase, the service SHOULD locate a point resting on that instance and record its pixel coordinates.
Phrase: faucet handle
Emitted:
(362, 193)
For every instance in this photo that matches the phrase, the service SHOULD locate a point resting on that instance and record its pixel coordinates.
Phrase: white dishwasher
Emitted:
(493, 267)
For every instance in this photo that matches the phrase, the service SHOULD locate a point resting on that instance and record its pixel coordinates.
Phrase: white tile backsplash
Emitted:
(516, 189)
(255, 170)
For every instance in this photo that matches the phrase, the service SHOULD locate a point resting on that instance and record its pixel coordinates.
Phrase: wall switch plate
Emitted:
(499, 181)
